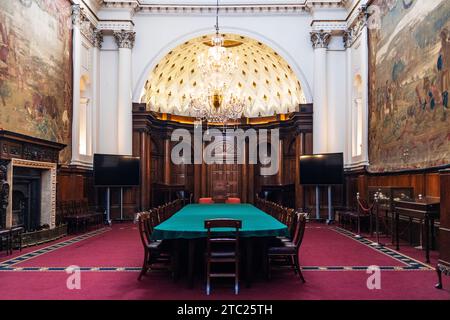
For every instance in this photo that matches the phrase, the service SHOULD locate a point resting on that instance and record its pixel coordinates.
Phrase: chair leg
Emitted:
(208, 279)
(236, 278)
(292, 262)
(297, 264)
(144, 266)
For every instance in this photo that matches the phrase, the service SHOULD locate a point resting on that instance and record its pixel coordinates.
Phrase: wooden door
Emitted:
(224, 179)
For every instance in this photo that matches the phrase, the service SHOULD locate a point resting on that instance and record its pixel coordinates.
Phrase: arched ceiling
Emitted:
(263, 78)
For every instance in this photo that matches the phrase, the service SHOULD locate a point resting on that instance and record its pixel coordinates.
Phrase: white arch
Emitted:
(225, 29)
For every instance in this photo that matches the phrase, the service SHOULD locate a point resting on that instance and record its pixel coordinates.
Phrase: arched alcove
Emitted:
(263, 79)
(171, 45)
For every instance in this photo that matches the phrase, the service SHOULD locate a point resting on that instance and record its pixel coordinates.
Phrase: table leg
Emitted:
(410, 236)
(427, 239)
(191, 261)
(249, 251)
(265, 261)
(439, 273)
(397, 236)
(175, 259)
(433, 236)
(392, 228)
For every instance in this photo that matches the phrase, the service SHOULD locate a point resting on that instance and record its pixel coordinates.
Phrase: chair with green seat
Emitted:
(222, 249)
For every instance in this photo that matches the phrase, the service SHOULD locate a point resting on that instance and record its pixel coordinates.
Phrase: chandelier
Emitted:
(215, 100)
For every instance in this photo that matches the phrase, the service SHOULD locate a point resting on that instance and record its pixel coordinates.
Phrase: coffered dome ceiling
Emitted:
(263, 79)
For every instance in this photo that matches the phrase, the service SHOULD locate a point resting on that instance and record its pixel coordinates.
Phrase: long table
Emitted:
(189, 222)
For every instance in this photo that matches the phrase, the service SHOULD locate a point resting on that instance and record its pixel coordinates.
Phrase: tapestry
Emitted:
(36, 69)
(409, 126)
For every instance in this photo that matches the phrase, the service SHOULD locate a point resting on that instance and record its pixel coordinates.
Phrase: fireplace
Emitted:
(28, 181)
(26, 198)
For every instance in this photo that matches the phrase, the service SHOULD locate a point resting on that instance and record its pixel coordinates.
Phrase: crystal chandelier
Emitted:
(215, 101)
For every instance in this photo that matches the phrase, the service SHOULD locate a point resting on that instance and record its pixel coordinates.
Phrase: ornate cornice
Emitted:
(224, 9)
(356, 25)
(203, 7)
(116, 25)
(125, 38)
(320, 39)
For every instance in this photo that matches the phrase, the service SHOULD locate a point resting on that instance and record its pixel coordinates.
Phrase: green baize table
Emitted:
(189, 224)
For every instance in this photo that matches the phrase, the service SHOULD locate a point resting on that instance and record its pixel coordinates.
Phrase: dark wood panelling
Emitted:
(203, 180)
(444, 232)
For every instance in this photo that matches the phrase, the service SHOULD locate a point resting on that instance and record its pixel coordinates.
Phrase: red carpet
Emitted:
(120, 247)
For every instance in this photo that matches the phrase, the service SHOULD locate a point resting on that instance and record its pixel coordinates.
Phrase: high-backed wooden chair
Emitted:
(222, 249)
(289, 251)
(153, 250)
(205, 201)
(5, 241)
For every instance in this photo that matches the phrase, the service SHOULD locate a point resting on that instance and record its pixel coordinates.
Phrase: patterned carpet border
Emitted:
(137, 269)
(411, 264)
(44, 250)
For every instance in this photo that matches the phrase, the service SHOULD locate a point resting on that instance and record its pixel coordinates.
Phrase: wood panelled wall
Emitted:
(426, 183)
(74, 184)
(151, 142)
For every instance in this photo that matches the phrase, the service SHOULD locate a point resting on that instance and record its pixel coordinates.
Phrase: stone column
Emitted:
(365, 90)
(125, 42)
(97, 41)
(76, 53)
(320, 41)
(348, 42)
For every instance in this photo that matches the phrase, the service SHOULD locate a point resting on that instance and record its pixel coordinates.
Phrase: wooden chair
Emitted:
(289, 251)
(205, 201)
(233, 201)
(222, 249)
(5, 241)
(16, 238)
(153, 250)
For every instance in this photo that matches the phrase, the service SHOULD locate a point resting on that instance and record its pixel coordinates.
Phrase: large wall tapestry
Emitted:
(36, 69)
(409, 85)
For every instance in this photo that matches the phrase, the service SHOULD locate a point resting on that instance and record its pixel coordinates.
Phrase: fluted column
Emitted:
(320, 41)
(125, 42)
(76, 53)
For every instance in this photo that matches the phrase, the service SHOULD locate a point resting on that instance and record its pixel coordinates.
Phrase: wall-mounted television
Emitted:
(322, 169)
(116, 170)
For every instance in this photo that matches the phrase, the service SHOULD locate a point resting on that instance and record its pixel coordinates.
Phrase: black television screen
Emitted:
(116, 170)
(322, 169)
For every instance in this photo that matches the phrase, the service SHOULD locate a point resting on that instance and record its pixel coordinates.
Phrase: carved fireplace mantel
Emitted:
(18, 150)
(19, 146)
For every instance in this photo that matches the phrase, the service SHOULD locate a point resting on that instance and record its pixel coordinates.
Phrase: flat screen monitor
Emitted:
(116, 170)
(322, 169)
